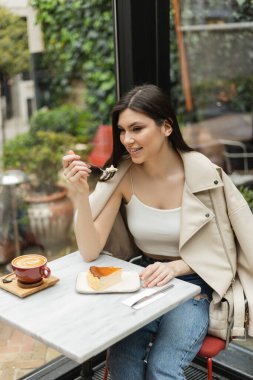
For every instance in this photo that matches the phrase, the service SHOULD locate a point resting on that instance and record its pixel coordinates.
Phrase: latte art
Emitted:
(29, 261)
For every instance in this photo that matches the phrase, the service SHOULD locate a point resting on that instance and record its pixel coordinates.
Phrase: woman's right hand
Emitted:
(76, 171)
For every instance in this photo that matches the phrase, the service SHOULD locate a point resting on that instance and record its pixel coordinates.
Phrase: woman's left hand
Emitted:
(159, 273)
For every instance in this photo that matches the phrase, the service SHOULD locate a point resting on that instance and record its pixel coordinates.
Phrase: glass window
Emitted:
(56, 89)
(215, 57)
(212, 54)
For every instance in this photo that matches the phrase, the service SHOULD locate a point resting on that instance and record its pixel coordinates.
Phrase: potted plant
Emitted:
(38, 154)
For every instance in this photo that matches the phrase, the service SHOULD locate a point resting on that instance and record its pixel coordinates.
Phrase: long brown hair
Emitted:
(154, 103)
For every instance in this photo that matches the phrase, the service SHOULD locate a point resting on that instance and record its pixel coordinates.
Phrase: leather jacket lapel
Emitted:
(199, 177)
(194, 215)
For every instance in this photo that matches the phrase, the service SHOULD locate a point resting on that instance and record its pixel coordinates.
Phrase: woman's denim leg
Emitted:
(126, 358)
(178, 340)
(179, 335)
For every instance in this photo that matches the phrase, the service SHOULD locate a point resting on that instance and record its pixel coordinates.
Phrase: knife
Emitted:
(145, 298)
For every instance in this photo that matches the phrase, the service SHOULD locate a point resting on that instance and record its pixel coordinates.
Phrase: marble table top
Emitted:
(82, 325)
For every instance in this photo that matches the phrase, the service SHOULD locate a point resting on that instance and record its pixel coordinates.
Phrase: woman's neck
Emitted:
(169, 163)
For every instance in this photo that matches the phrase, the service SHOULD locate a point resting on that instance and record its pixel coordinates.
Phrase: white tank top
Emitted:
(155, 231)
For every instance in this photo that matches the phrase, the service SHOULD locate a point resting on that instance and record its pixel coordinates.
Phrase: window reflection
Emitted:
(214, 55)
(217, 38)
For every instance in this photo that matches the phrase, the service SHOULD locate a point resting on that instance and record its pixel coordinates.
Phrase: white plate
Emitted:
(130, 283)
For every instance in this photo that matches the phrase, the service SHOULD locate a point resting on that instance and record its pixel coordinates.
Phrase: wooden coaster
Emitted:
(14, 288)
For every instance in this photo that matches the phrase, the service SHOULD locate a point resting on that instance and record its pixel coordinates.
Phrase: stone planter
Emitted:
(50, 217)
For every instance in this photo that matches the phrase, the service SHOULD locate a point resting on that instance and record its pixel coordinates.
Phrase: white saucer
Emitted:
(130, 283)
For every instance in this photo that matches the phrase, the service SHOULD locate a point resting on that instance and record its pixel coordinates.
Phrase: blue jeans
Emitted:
(177, 337)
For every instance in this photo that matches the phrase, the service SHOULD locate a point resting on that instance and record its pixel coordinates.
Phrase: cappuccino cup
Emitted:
(31, 268)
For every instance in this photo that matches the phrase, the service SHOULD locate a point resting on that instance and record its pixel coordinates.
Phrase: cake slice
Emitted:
(108, 173)
(101, 278)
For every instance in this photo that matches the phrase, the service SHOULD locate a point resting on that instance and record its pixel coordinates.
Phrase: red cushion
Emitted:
(102, 146)
(211, 346)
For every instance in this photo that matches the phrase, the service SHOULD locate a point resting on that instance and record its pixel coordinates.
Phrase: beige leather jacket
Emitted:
(216, 236)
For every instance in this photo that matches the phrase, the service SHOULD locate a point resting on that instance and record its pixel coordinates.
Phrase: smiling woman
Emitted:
(175, 204)
(141, 101)
(138, 134)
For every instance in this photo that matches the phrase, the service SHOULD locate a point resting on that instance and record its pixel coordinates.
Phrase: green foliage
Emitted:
(244, 10)
(217, 60)
(66, 118)
(208, 92)
(248, 195)
(39, 151)
(39, 155)
(14, 54)
(78, 38)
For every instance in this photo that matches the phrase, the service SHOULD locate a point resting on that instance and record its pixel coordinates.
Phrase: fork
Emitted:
(106, 173)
